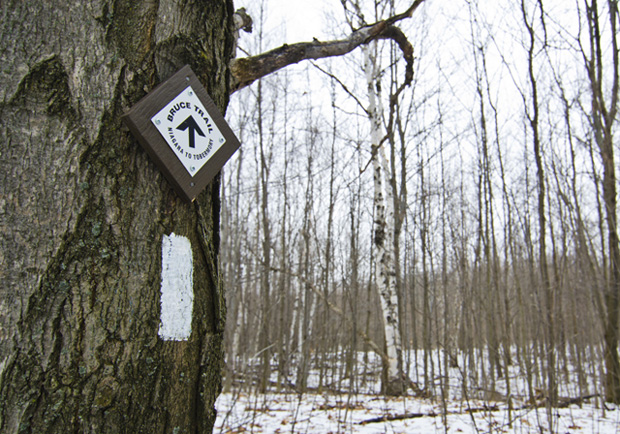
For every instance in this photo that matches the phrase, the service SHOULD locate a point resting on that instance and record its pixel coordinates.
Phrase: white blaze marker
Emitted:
(177, 288)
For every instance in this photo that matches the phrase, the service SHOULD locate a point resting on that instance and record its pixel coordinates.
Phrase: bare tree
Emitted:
(603, 114)
(532, 110)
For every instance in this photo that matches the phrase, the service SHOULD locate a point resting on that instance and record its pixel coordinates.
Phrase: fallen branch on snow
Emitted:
(390, 417)
(563, 402)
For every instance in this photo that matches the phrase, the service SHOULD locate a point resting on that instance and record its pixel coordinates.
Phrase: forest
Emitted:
(417, 234)
(435, 227)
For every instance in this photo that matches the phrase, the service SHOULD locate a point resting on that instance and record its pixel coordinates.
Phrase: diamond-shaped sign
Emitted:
(183, 131)
(186, 126)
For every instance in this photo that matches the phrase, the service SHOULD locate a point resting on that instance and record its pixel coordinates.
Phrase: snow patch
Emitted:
(177, 288)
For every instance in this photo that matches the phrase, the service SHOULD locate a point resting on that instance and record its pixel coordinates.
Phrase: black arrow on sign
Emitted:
(191, 125)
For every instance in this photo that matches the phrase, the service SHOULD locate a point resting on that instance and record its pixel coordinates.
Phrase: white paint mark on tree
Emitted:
(177, 288)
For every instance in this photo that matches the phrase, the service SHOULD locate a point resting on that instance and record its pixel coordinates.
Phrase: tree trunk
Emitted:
(603, 118)
(383, 240)
(533, 117)
(83, 212)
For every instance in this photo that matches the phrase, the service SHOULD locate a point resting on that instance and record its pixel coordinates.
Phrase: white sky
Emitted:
(302, 20)
(444, 47)
(291, 21)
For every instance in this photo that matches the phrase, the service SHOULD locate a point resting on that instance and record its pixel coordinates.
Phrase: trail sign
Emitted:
(180, 122)
(183, 131)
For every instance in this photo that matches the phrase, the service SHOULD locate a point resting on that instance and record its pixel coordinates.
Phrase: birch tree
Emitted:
(383, 236)
(384, 231)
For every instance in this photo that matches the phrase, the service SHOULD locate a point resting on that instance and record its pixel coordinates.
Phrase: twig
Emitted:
(344, 87)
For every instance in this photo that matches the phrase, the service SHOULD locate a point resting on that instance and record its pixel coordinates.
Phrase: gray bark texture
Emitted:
(82, 214)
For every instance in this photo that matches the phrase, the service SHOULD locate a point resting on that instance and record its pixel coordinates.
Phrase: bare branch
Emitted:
(407, 14)
(249, 69)
(344, 87)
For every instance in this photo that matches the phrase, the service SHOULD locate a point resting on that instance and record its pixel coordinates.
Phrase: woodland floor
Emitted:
(314, 413)
(477, 408)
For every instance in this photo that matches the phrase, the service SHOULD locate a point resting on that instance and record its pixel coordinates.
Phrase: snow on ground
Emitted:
(473, 403)
(314, 413)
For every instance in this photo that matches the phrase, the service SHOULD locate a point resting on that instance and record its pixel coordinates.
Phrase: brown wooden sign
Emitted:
(182, 130)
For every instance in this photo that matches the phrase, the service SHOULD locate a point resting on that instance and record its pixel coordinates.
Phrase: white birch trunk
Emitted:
(385, 270)
(295, 320)
(236, 351)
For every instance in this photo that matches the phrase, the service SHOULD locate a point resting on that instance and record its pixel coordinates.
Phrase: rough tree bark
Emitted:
(82, 215)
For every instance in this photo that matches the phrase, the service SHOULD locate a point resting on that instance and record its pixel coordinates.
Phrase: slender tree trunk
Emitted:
(232, 270)
(83, 215)
(264, 338)
(426, 314)
(533, 116)
(354, 287)
(603, 117)
(329, 335)
(306, 309)
(383, 239)
(284, 278)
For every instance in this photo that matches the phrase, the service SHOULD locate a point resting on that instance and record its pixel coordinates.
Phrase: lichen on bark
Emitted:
(82, 214)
